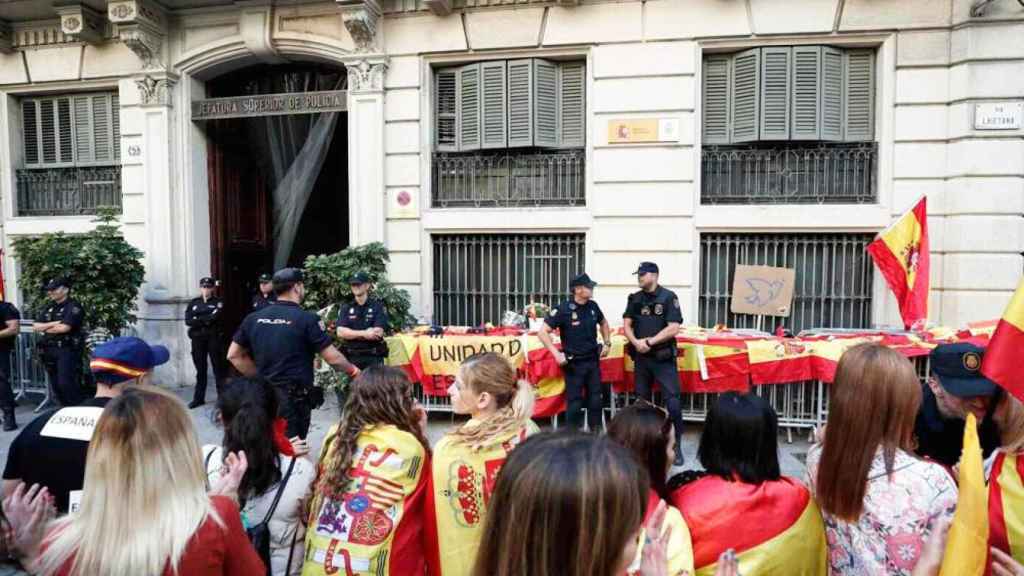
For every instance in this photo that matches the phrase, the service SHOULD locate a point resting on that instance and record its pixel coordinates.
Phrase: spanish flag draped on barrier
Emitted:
(782, 531)
(966, 549)
(901, 254)
(459, 489)
(1001, 363)
(375, 525)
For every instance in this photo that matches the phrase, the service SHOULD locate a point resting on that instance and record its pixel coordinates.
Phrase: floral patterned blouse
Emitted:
(897, 518)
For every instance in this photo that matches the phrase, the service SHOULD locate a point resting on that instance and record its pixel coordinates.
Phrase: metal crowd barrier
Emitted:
(28, 377)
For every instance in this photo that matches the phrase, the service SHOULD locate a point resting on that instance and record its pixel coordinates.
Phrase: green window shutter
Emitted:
(495, 115)
(745, 105)
(65, 132)
(572, 104)
(806, 95)
(115, 123)
(545, 103)
(446, 110)
(30, 131)
(775, 92)
(469, 107)
(831, 93)
(520, 103)
(48, 130)
(83, 130)
(859, 91)
(101, 129)
(716, 99)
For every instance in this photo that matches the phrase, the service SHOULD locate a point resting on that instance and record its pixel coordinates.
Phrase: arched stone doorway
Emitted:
(277, 180)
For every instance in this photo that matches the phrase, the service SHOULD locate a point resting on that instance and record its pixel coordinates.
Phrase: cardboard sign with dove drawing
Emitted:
(762, 290)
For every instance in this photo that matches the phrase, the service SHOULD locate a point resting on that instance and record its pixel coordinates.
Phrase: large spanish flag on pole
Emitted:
(901, 254)
(1001, 363)
(967, 546)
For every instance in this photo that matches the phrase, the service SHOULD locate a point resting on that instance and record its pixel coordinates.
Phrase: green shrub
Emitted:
(104, 269)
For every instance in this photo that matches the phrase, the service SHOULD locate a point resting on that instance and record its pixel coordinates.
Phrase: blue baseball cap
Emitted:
(958, 368)
(646, 267)
(125, 358)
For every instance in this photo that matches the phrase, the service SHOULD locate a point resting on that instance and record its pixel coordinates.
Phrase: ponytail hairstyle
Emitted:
(248, 408)
(379, 396)
(513, 399)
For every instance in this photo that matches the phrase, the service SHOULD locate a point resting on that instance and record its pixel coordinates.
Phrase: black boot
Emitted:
(195, 404)
(9, 422)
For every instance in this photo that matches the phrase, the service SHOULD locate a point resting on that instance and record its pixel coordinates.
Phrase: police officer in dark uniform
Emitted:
(279, 342)
(62, 342)
(954, 388)
(651, 322)
(203, 318)
(265, 294)
(361, 325)
(577, 320)
(9, 328)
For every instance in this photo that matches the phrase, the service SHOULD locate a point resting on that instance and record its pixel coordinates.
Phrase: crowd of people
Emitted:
(119, 485)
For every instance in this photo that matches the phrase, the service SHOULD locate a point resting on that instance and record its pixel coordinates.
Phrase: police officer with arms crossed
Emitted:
(361, 325)
(577, 320)
(203, 318)
(651, 322)
(62, 342)
(265, 295)
(279, 343)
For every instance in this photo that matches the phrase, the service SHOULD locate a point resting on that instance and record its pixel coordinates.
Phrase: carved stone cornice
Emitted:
(81, 23)
(366, 74)
(361, 18)
(155, 90)
(142, 27)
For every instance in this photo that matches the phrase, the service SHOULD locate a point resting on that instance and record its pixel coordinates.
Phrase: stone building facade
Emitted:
(498, 146)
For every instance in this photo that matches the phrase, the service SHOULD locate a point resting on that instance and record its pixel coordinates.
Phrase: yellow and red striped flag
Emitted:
(967, 546)
(1002, 356)
(901, 254)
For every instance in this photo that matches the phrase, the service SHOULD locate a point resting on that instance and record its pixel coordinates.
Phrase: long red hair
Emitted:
(874, 402)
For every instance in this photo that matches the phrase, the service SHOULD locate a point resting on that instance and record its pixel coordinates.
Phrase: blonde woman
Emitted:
(467, 460)
(145, 508)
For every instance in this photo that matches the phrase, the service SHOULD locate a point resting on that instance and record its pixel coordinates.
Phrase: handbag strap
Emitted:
(280, 490)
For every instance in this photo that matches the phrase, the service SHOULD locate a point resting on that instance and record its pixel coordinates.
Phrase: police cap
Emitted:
(58, 282)
(582, 280)
(646, 267)
(287, 276)
(958, 368)
(207, 282)
(359, 278)
(264, 278)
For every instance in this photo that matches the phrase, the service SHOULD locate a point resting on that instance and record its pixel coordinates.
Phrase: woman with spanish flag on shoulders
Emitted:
(744, 503)
(366, 510)
(467, 460)
(647, 432)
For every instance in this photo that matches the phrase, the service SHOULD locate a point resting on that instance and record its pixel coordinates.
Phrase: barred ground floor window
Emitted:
(833, 277)
(477, 277)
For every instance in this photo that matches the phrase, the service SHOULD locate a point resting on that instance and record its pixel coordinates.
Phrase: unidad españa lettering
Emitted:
(456, 352)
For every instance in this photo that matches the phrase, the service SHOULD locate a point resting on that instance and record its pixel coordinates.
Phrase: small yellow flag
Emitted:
(967, 547)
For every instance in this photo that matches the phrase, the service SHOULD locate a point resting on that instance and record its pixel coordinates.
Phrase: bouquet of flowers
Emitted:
(536, 310)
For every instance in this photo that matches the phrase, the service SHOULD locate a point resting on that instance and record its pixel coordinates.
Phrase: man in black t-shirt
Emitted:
(9, 326)
(51, 450)
(279, 342)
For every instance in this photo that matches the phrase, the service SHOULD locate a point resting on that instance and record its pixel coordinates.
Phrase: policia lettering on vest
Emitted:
(577, 320)
(361, 325)
(279, 342)
(651, 322)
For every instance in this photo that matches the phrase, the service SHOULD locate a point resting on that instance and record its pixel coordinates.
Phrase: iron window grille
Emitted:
(509, 179)
(833, 282)
(478, 277)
